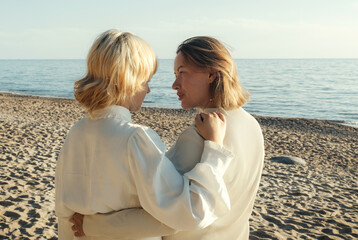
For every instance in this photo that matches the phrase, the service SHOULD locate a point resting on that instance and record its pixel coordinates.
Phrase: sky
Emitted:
(66, 29)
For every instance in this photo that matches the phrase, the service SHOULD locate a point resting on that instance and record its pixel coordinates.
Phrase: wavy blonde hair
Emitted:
(118, 65)
(210, 54)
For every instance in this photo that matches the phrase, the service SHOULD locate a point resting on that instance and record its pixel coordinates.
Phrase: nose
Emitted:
(175, 84)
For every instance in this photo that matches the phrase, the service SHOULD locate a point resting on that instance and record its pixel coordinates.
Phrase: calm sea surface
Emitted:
(306, 88)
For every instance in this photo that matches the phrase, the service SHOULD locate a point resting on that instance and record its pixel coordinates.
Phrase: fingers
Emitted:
(77, 234)
(211, 126)
(204, 116)
(203, 119)
(198, 118)
(77, 227)
(221, 116)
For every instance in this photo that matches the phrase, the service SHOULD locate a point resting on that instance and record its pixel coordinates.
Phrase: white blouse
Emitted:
(108, 164)
(244, 138)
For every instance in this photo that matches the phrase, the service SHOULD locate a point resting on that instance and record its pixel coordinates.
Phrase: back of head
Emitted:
(118, 65)
(210, 54)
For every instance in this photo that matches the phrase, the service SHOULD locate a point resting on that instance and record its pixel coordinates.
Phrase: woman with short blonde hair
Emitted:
(118, 65)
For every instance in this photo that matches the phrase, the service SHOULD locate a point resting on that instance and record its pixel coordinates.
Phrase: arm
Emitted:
(202, 193)
(196, 199)
(125, 224)
(137, 223)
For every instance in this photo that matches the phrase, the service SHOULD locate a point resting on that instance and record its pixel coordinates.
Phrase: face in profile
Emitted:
(192, 84)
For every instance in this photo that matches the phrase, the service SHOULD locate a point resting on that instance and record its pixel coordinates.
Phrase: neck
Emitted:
(210, 104)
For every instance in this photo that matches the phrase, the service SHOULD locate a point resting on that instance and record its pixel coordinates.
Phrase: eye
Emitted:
(178, 74)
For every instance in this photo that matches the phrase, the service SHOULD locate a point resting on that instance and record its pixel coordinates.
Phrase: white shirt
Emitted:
(244, 138)
(108, 164)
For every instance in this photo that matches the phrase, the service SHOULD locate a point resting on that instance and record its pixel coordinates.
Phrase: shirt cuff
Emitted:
(217, 156)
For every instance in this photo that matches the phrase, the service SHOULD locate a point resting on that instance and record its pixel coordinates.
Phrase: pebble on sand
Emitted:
(288, 160)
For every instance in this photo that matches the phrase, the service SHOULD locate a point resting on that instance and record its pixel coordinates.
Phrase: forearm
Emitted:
(188, 202)
(125, 224)
(196, 199)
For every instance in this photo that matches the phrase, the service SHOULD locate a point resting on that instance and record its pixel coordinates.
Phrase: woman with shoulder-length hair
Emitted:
(206, 78)
(108, 163)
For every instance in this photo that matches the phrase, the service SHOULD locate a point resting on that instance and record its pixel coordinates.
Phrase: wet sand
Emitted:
(318, 200)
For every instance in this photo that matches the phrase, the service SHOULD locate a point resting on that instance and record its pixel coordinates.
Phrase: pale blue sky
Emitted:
(43, 29)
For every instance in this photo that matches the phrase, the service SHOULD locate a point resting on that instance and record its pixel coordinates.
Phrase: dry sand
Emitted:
(316, 201)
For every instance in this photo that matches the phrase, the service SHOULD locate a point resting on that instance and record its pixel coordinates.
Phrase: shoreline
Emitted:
(315, 201)
(11, 94)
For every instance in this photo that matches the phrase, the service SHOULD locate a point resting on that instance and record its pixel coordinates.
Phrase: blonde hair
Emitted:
(208, 53)
(118, 65)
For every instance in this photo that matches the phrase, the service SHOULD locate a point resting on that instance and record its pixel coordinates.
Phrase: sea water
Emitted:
(305, 88)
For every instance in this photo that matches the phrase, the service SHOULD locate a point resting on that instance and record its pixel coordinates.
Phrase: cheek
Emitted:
(142, 96)
(198, 87)
(190, 84)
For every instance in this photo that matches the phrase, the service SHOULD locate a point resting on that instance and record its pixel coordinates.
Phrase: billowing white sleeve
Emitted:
(183, 202)
(131, 223)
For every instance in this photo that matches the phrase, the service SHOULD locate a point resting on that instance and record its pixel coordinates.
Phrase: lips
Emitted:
(180, 95)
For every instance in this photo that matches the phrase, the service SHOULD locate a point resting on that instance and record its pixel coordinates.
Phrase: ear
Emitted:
(212, 77)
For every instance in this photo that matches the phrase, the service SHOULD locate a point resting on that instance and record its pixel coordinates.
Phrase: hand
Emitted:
(211, 126)
(77, 220)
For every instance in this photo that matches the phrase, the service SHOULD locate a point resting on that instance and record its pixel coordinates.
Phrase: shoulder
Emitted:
(243, 124)
(138, 129)
(191, 134)
(240, 115)
(78, 124)
(144, 135)
(189, 141)
(77, 127)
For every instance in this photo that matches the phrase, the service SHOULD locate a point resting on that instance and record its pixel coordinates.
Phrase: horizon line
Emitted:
(266, 58)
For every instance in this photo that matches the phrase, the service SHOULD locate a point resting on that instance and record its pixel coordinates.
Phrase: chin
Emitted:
(183, 106)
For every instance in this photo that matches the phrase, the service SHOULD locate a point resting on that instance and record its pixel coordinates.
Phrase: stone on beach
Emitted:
(287, 160)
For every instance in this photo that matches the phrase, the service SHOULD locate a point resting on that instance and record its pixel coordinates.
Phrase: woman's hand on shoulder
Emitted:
(211, 126)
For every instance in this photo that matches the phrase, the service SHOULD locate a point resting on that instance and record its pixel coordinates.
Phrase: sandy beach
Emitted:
(318, 200)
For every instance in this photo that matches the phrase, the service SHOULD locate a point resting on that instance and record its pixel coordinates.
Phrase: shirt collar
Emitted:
(210, 110)
(113, 111)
